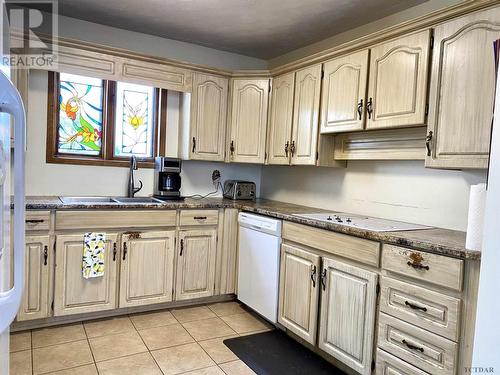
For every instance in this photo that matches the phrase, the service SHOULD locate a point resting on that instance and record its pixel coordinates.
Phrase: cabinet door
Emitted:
(38, 260)
(147, 268)
(299, 291)
(344, 93)
(397, 92)
(462, 91)
(248, 120)
(306, 115)
(74, 294)
(348, 304)
(281, 114)
(196, 264)
(208, 117)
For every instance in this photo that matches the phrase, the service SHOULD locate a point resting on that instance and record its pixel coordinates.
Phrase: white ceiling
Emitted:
(257, 28)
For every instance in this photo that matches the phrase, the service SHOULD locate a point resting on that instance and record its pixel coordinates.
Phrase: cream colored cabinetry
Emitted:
(344, 93)
(462, 91)
(348, 307)
(306, 116)
(196, 256)
(299, 291)
(38, 262)
(75, 294)
(147, 268)
(397, 89)
(208, 117)
(248, 120)
(280, 119)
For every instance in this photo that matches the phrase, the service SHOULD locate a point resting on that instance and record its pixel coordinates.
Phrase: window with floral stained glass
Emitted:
(134, 120)
(80, 115)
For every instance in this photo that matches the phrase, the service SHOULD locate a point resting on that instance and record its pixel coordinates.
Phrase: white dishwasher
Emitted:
(258, 264)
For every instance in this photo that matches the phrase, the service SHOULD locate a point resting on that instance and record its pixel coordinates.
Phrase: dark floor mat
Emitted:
(275, 353)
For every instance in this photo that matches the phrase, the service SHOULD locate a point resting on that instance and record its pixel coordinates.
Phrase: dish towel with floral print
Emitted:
(93, 255)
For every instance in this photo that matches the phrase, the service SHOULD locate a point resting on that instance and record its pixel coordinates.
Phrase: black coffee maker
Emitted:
(167, 180)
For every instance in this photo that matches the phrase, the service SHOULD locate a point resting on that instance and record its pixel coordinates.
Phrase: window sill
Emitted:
(64, 159)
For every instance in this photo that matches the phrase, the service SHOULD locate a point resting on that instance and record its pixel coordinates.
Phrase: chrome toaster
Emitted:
(236, 189)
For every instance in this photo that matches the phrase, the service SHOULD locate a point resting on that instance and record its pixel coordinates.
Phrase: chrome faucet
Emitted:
(133, 167)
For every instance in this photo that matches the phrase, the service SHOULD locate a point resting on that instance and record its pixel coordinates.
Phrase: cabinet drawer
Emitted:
(115, 219)
(387, 364)
(432, 268)
(199, 217)
(416, 346)
(427, 309)
(37, 220)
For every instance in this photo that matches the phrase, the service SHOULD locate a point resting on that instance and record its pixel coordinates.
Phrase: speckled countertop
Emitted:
(436, 240)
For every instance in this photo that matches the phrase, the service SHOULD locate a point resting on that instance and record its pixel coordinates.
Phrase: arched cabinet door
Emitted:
(247, 141)
(462, 91)
(397, 90)
(208, 117)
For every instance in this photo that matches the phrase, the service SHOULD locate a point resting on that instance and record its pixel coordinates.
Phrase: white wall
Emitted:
(400, 190)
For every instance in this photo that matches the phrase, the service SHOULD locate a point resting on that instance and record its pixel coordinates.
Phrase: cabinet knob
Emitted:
(428, 140)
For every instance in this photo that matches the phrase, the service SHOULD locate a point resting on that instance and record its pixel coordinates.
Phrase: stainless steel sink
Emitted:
(87, 200)
(137, 200)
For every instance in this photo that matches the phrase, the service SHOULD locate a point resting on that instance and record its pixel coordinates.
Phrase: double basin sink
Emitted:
(97, 200)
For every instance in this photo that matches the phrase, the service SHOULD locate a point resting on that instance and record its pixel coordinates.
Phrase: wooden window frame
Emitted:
(106, 157)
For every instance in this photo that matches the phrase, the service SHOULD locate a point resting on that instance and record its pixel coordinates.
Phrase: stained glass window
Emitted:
(80, 115)
(134, 121)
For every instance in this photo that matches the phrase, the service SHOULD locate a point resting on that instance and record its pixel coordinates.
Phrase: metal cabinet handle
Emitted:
(360, 108)
(417, 266)
(369, 108)
(231, 148)
(428, 140)
(287, 146)
(194, 144)
(34, 221)
(292, 148)
(124, 250)
(413, 347)
(323, 279)
(114, 251)
(415, 307)
(200, 217)
(45, 254)
(182, 247)
(313, 275)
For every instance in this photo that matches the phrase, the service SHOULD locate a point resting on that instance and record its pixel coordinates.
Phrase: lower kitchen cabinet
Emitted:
(147, 268)
(348, 308)
(75, 294)
(196, 255)
(298, 296)
(35, 302)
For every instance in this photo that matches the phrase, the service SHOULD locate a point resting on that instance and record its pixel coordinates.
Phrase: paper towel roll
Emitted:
(475, 220)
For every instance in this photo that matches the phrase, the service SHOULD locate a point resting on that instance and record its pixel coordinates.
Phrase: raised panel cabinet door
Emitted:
(348, 306)
(462, 91)
(299, 291)
(35, 302)
(306, 115)
(147, 268)
(281, 115)
(397, 90)
(344, 93)
(247, 143)
(208, 117)
(196, 253)
(73, 293)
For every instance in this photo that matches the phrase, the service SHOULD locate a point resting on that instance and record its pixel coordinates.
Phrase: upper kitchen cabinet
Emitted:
(208, 117)
(306, 116)
(397, 89)
(344, 93)
(280, 119)
(247, 138)
(462, 91)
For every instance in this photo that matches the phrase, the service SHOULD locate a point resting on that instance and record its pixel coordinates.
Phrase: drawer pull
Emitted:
(124, 251)
(182, 247)
(114, 252)
(417, 266)
(413, 347)
(415, 307)
(45, 254)
(313, 275)
(34, 221)
(323, 279)
(200, 218)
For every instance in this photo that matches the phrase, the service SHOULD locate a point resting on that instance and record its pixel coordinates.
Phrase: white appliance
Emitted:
(258, 265)
(11, 291)
(362, 222)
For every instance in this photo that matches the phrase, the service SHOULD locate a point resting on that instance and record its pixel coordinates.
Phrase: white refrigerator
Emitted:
(11, 177)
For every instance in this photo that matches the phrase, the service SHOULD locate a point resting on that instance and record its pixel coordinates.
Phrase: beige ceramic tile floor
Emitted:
(179, 341)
